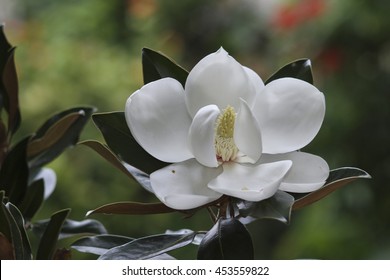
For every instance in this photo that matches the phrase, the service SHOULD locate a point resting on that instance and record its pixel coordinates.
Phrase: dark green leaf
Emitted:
(14, 173)
(132, 208)
(71, 227)
(7, 250)
(228, 239)
(4, 218)
(337, 179)
(277, 207)
(47, 244)
(9, 91)
(299, 69)
(5, 47)
(56, 134)
(118, 137)
(100, 244)
(33, 199)
(156, 65)
(19, 238)
(141, 177)
(148, 247)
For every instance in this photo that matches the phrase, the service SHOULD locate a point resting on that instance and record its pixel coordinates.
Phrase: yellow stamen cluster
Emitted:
(225, 147)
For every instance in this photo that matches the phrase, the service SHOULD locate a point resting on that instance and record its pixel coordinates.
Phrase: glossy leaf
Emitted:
(141, 177)
(228, 239)
(299, 69)
(132, 208)
(118, 137)
(277, 207)
(56, 134)
(5, 47)
(99, 244)
(4, 218)
(33, 199)
(71, 228)
(337, 179)
(148, 247)
(48, 241)
(15, 183)
(9, 92)
(156, 65)
(7, 250)
(20, 241)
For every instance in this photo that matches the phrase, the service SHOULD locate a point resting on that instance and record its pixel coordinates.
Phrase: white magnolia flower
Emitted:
(228, 133)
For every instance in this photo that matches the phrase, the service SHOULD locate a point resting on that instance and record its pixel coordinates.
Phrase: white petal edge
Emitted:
(290, 113)
(247, 136)
(217, 79)
(257, 83)
(307, 174)
(250, 182)
(158, 119)
(183, 185)
(201, 137)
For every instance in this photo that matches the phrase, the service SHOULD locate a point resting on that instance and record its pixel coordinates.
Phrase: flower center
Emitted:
(225, 147)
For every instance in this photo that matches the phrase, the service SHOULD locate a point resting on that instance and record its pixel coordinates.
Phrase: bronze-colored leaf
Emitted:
(7, 250)
(132, 208)
(52, 135)
(337, 179)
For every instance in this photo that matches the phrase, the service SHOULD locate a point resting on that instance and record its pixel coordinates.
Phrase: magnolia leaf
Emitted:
(4, 220)
(118, 137)
(7, 250)
(277, 207)
(20, 242)
(197, 239)
(148, 247)
(156, 65)
(228, 239)
(48, 241)
(14, 173)
(337, 179)
(299, 69)
(8, 83)
(9, 92)
(71, 228)
(56, 134)
(5, 47)
(99, 244)
(132, 208)
(33, 199)
(141, 177)
(52, 135)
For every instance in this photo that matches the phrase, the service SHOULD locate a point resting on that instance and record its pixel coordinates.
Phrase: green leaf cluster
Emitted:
(25, 182)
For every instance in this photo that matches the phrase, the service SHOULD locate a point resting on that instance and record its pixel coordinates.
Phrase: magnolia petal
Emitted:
(202, 136)
(290, 113)
(157, 117)
(250, 182)
(247, 134)
(184, 185)
(308, 172)
(217, 79)
(258, 85)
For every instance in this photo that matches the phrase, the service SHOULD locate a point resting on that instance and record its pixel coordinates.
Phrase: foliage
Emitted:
(25, 181)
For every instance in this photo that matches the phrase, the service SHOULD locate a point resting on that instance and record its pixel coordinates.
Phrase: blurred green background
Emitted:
(88, 52)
